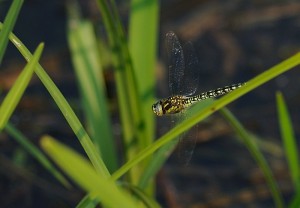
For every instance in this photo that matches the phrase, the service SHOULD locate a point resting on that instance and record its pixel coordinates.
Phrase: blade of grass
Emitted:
(156, 162)
(36, 153)
(14, 95)
(80, 170)
(289, 140)
(66, 110)
(87, 202)
(8, 25)
(130, 104)
(268, 147)
(86, 61)
(140, 194)
(218, 104)
(143, 28)
(256, 154)
(162, 154)
(295, 202)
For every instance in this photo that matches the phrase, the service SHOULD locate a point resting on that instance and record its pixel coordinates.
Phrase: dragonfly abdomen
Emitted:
(213, 93)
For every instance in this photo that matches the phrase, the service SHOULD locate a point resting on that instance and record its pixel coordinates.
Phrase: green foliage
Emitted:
(87, 65)
(253, 148)
(289, 140)
(83, 173)
(9, 23)
(65, 108)
(36, 153)
(13, 97)
(290, 146)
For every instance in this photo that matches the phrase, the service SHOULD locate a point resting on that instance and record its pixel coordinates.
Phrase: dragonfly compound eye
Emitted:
(157, 109)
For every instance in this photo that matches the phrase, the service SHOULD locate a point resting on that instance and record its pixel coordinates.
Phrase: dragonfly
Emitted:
(183, 81)
(177, 103)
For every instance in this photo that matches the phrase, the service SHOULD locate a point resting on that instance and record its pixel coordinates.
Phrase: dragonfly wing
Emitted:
(191, 73)
(175, 63)
(186, 147)
(190, 82)
(183, 79)
(187, 142)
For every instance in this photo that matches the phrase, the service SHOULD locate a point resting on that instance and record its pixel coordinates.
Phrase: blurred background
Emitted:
(235, 40)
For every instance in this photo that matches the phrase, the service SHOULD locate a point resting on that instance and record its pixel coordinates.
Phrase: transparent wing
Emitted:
(187, 142)
(183, 80)
(191, 71)
(190, 81)
(175, 63)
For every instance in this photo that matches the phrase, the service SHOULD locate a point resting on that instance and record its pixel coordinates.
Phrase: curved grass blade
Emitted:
(36, 153)
(142, 38)
(295, 202)
(162, 154)
(66, 110)
(83, 173)
(15, 93)
(140, 194)
(289, 140)
(130, 102)
(256, 154)
(87, 65)
(88, 202)
(8, 25)
(218, 104)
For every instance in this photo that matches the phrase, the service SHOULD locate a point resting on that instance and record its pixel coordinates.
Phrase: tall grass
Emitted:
(133, 58)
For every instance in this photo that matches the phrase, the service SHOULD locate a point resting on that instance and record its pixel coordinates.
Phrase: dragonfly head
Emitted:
(157, 109)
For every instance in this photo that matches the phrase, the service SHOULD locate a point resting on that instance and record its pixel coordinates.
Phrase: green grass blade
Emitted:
(156, 162)
(218, 104)
(143, 28)
(66, 110)
(162, 154)
(8, 25)
(140, 194)
(256, 154)
(86, 61)
(289, 140)
(130, 104)
(80, 170)
(14, 95)
(36, 153)
(74, 122)
(295, 202)
(87, 202)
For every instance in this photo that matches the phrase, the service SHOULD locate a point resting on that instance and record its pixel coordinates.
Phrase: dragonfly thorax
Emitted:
(170, 105)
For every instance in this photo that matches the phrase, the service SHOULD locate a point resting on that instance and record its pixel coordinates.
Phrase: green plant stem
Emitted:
(66, 110)
(256, 154)
(289, 140)
(142, 36)
(132, 118)
(187, 124)
(8, 25)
